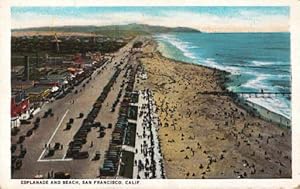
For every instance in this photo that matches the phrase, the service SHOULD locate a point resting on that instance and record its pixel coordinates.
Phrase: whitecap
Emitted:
(278, 105)
(258, 83)
(267, 63)
(181, 45)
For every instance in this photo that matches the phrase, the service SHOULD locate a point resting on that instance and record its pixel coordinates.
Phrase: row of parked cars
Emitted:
(112, 156)
(80, 138)
(16, 160)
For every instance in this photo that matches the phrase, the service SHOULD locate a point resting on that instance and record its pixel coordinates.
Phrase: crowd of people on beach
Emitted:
(244, 137)
(211, 136)
(230, 125)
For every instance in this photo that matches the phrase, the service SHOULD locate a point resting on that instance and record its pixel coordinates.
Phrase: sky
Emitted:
(207, 19)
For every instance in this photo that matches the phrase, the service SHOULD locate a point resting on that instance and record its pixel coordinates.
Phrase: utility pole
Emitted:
(36, 64)
(26, 68)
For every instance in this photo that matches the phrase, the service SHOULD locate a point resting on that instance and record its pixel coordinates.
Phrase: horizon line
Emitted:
(91, 25)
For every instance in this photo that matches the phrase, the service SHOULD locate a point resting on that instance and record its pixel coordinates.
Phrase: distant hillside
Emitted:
(131, 29)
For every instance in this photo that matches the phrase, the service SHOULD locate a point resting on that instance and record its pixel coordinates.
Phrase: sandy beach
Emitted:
(208, 136)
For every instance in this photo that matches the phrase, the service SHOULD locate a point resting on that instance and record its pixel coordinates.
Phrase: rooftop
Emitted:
(37, 89)
(17, 84)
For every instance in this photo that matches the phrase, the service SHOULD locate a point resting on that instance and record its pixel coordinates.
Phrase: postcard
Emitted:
(139, 95)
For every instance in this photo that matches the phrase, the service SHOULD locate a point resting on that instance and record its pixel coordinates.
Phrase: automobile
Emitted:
(81, 140)
(81, 155)
(81, 134)
(39, 176)
(77, 144)
(45, 115)
(50, 152)
(25, 122)
(108, 161)
(22, 153)
(62, 175)
(13, 148)
(36, 125)
(14, 131)
(37, 120)
(101, 129)
(112, 157)
(97, 124)
(105, 171)
(71, 120)
(21, 139)
(61, 95)
(112, 152)
(84, 129)
(56, 146)
(29, 132)
(110, 166)
(18, 164)
(68, 126)
(76, 148)
(102, 134)
(67, 90)
(96, 156)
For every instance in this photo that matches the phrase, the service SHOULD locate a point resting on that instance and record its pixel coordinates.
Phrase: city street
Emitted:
(53, 129)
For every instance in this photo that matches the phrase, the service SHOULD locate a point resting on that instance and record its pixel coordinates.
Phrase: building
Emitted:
(38, 94)
(21, 85)
(20, 105)
(17, 72)
(78, 60)
(54, 80)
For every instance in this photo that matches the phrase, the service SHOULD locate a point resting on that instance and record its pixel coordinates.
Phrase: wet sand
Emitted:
(206, 136)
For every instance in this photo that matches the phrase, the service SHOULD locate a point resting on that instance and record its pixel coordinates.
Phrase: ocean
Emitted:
(256, 61)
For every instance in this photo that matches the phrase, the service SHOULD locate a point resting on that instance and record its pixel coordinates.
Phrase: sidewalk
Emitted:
(148, 160)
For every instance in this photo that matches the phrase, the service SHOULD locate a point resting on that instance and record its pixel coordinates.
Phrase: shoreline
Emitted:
(264, 113)
(258, 110)
(207, 137)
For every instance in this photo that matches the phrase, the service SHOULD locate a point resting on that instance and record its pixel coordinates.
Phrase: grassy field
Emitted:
(130, 134)
(126, 169)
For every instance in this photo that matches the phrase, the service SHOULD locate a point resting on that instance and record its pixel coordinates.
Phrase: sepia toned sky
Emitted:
(207, 19)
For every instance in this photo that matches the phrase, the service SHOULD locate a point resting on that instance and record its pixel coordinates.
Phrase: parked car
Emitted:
(81, 155)
(61, 175)
(96, 156)
(21, 139)
(29, 132)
